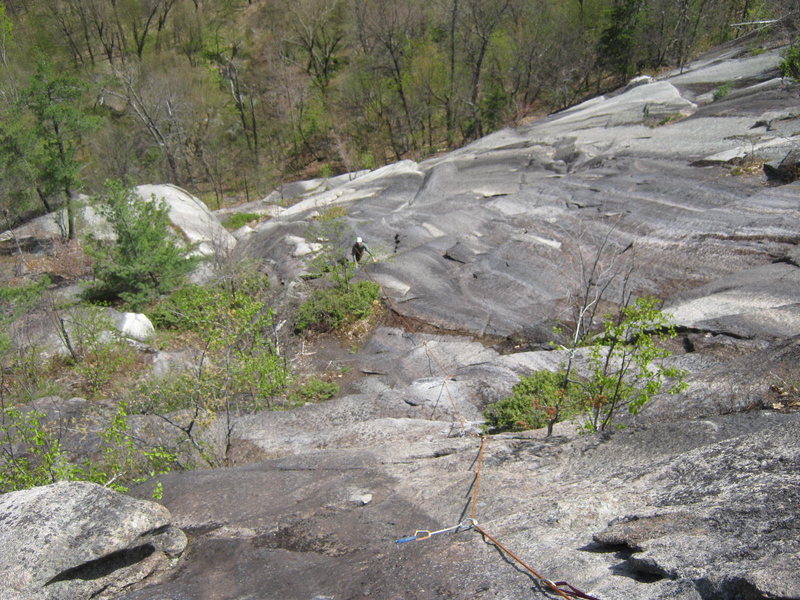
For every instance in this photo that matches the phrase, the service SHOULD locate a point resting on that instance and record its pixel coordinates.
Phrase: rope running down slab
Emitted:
(471, 522)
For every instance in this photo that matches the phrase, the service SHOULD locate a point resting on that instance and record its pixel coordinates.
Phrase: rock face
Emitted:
(484, 250)
(698, 510)
(69, 541)
(490, 239)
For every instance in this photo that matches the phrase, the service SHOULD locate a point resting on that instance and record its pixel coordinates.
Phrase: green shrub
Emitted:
(535, 402)
(625, 363)
(202, 307)
(332, 213)
(31, 454)
(790, 65)
(722, 91)
(16, 301)
(332, 308)
(313, 390)
(99, 355)
(236, 220)
(239, 368)
(184, 308)
(145, 259)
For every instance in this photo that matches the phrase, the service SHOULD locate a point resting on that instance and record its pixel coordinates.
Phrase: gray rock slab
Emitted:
(740, 384)
(755, 303)
(725, 68)
(733, 535)
(78, 540)
(489, 239)
(554, 502)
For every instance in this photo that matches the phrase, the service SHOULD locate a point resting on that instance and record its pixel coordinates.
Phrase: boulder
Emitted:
(75, 540)
(787, 170)
(192, 217)
(135, 326)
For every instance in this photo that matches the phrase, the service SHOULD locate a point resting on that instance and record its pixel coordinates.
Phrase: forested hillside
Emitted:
(234, 97)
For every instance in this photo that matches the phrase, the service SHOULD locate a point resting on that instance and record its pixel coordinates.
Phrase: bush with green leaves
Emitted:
(332, 308)
(625, 363)
(16, 301)
(235, 331)
(625, 372)
(331, 231)
(31, 453)
(313, 390)
(722, 91)
(238, 366)
(538, 400)
(98, 354)
(790, 65)
(23, 373)
(343, 301)
(237, 220)
(145, 260)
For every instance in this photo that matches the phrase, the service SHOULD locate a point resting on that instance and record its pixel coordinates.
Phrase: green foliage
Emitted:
(332, 308)
(790, 65)
(332, 213)
(313, 390)
(188, 306)
(624, 360)
(536, 401)
(31, 454)
(228, 95)
(236, 220)
(100, 356)
(493, 107)
(16, 301)
(722, 91)
(618, 38)
(145, 260)
(332, 261)
(59, 124)
(240, 366)
(24, 373)
(343, 302)
(18, 168)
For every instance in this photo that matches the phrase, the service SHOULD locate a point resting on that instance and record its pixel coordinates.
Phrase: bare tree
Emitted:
(483, 17)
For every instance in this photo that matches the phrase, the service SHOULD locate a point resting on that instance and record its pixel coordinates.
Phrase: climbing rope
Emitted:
(479, 463)
(562, 588)
(570, 592)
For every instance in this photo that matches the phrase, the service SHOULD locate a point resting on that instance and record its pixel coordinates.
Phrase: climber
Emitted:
(359, 248)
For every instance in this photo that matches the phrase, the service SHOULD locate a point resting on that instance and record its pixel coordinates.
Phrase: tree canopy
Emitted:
(236, 96)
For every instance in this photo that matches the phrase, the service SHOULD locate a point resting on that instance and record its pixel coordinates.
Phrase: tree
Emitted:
(316, 31)
(145, 260)
(484, 18)
(538, 400)
(59, 125)
(624, 360)
(618, 40)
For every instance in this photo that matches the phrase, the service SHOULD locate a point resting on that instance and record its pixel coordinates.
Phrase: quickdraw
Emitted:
(424, 534)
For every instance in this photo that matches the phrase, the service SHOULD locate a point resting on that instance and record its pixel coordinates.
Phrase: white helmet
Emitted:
(358, 240)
